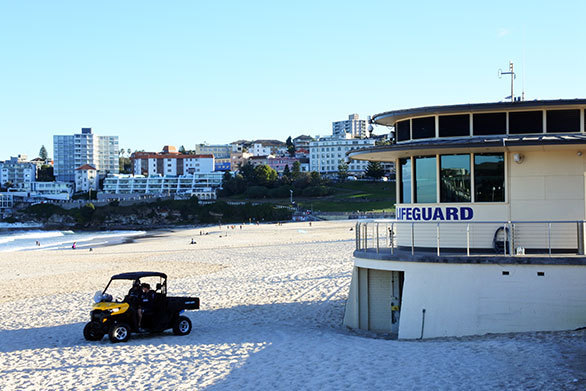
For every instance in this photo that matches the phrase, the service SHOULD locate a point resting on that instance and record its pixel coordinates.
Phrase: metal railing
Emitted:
(512, 238)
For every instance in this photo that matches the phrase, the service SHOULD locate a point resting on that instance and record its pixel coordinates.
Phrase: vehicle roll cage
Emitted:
(133, 276)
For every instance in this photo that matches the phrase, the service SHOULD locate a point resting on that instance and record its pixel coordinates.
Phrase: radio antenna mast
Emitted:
(513, 76)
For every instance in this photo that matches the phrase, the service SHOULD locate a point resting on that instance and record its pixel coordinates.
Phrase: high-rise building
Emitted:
(354, 126)
(73, 151)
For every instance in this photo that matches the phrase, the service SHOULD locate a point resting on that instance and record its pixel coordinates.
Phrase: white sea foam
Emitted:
(50, 240)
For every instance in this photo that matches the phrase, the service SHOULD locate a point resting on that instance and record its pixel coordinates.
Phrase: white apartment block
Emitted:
(171, 163)
(72, 151)
(86, 178)
(44, 190)
(202, 185)
(268, 147)
(353, 126)
(17, 171)
(326, 154)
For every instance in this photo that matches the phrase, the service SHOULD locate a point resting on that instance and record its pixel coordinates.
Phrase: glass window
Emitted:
(405, 169)
(425, 180)
(403, 130)
(455, 178)
(423, 127)
(521, 122)
(454, 125)
(490, 123)
(562, 121)
(489, 177)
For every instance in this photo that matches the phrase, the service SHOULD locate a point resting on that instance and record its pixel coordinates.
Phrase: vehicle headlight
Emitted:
(114, 310)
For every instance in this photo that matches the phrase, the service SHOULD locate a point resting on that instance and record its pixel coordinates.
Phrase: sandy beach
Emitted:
(272, 302)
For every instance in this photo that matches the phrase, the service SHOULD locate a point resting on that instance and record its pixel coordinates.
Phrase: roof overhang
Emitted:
(476, 144)
(389, 118)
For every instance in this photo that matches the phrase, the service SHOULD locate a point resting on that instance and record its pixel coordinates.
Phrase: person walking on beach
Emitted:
(74, 246)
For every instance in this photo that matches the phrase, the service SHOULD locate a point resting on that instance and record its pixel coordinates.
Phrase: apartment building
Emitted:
(353, 126)
(86, 178)
(202, 185)
(268, 147)
(170, 162)
(17, 170)
(277, 163)
(326, 154)
(72, 151)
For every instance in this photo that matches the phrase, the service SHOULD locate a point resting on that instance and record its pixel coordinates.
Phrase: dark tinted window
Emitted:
(425, 180)
(405, 170)
(455, 178)
(403, 131)
(423, 127)
(525, 122)
(562, 121)
(489, 177)
(454, 125)
(491, 123)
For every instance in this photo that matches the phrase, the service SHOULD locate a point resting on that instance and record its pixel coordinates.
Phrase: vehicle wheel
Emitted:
(182, 326)
(119, 333)
(93, 331)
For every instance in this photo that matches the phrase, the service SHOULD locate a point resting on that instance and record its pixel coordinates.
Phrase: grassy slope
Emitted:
(349, 197)
(355, 196)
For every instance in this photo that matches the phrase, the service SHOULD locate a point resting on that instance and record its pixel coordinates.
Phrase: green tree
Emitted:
(290, 146)
(374, 170)
(43, 153)
(45, 174)
(342, 171)
(315, 178)
(286, 171)
(296, 170)
(124, 165)
(247, 172)
(182, 149)
(265, 175)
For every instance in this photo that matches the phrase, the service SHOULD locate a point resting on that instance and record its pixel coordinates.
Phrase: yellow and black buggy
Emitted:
(116, 315)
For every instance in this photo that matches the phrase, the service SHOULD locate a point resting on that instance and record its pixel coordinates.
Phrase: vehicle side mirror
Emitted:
(159, 286)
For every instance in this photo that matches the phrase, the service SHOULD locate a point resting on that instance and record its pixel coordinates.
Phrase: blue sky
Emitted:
(185, 72)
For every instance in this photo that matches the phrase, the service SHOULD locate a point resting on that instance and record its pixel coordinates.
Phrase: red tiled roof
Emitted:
(85, 167)
(156, 155)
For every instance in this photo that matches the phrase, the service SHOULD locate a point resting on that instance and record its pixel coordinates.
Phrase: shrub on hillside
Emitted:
(280, 192)
(317, 191)
(256, 192)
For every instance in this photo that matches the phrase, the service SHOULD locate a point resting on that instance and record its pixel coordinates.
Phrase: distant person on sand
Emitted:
(74, 245)
(193, 241)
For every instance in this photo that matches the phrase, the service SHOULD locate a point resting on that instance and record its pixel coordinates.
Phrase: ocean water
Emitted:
(26, 240)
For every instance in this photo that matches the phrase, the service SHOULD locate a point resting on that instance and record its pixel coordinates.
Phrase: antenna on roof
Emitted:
(513, 76)
(523, 69)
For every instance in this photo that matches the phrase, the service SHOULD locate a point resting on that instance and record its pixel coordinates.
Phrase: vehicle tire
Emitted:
(182, 326)
(93, 331)
(119, 332)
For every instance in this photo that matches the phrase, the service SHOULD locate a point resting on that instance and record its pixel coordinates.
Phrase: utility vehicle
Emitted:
(117, 316)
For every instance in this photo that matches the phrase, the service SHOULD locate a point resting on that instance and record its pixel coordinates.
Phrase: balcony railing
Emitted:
(508, 238)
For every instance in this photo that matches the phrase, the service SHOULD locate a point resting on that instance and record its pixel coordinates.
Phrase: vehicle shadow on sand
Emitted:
(234, 325)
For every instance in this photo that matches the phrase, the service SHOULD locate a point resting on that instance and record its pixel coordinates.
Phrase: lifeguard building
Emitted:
(489, 229)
